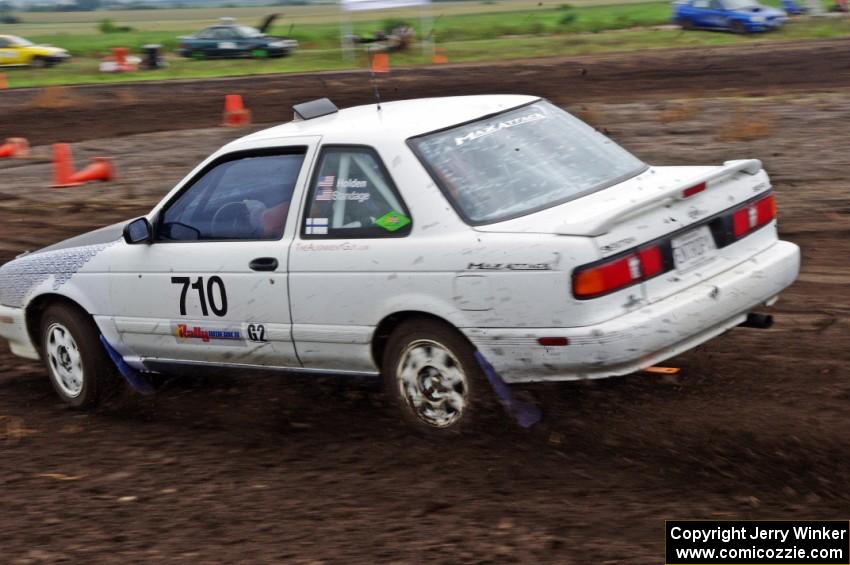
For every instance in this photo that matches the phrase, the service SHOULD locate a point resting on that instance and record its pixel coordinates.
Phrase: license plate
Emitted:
(693, 248)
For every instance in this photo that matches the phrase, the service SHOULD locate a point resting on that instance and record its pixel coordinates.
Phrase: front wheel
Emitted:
(431, 373)
(79, 368)
(739, 27)
(39, 63)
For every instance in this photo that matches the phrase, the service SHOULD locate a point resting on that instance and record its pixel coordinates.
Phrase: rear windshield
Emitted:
(521, 161)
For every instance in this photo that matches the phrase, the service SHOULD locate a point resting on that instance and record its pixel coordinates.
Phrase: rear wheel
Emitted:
(79, 368)
(433, 377)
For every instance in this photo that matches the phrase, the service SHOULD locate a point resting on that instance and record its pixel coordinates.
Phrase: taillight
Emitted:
(753, 216)
(636, 265)
(602, 278)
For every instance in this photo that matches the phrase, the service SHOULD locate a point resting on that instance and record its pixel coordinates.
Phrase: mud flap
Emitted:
(525, 414)
(133, 377)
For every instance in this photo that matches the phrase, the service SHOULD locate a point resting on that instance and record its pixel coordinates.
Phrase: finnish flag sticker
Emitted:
(317, 226)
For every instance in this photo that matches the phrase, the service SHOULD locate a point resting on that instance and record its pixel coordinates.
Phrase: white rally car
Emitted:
(435, 242)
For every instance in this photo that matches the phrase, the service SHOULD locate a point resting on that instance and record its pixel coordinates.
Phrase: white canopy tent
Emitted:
(347, 6)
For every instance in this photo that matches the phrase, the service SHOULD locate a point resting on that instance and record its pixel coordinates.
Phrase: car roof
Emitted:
(398, 120)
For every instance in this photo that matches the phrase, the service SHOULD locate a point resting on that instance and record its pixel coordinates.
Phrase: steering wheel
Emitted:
(231, 220)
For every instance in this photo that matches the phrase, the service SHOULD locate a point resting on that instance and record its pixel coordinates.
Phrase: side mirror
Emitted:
(138, 231)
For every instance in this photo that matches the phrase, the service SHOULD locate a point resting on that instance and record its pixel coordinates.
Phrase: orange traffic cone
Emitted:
(15, 147)
(4, 84)
(235, 113)
(100, 169)
(63, 166)
(439, 57)
(380, 62)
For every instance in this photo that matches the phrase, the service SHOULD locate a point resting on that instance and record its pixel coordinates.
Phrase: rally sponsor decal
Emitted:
(392, 221)
(509, 267)
(189, 333)
(497, 127)
(344, 246)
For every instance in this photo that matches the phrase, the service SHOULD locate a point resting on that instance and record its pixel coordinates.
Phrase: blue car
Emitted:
(739, 16)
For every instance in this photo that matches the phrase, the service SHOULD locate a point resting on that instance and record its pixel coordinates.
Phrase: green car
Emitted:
(229, 40)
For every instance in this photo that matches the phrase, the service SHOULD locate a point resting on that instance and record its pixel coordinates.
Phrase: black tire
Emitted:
(39, 63)
(420, 334)
(99, 379)
(686, 24)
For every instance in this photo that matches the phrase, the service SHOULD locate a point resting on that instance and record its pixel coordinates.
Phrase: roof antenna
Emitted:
(380, 64)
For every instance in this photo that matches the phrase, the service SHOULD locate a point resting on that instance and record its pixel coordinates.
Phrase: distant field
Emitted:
(468, 31)
(188, 18)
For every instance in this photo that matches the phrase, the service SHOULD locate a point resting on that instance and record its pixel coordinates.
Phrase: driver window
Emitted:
(4, 43)
(242, 197)
(716, 5)
(701, 4)
(225, 33)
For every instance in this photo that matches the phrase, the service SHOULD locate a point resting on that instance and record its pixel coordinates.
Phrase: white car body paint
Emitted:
(503, 284)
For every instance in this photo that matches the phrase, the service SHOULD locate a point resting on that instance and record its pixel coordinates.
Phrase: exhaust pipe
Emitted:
(758, 321)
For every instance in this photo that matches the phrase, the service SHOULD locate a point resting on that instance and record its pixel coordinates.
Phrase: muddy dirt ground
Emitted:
(227, 469)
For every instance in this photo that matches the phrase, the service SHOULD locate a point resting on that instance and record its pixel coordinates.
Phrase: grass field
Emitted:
(468, 31)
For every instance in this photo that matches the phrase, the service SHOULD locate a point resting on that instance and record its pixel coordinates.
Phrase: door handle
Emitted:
(263, 264)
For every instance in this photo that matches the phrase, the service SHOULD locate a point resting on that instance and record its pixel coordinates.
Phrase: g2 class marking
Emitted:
(218, 305)
(257, 333)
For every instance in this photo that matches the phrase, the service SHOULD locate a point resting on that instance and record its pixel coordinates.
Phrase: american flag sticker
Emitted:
(326, 188)
(317, 226)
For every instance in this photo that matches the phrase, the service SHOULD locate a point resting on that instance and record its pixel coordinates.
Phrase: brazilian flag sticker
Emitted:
(392, 221)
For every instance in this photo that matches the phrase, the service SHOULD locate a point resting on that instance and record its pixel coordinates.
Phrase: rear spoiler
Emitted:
(602, 223)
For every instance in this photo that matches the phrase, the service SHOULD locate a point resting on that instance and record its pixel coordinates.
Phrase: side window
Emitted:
(700, 3)
(208, 33)
(225, 33)
(241, 197)
(3, 43)
(351, 196)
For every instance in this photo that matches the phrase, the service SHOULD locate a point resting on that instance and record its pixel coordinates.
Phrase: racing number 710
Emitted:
(217, 304)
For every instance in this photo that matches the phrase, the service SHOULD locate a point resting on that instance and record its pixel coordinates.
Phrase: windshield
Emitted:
(739, 4)
(246, 31)
(521, 161)
(19, 41)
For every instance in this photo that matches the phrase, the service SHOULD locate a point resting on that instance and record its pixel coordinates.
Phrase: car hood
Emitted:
(106, 234)
(47, 50)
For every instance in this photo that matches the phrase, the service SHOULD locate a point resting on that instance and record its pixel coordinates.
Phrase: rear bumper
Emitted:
(645, 336)
(13, 328)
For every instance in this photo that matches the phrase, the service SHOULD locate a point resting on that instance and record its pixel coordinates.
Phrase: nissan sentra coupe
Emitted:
(439, 243)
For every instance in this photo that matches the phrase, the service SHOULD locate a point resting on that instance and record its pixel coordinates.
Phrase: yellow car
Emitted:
(17, 51)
